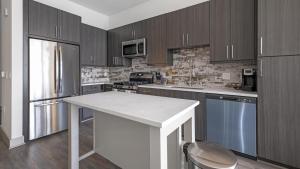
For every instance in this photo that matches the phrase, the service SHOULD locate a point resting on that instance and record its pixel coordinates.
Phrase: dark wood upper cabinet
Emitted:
(87, 45)
(101, 48)
(156, 41)
(139, 29)
(132, 31)
(54, 24)
(115, 38)
(43, 20)
(188, 27)
(69, 26)
(175, 29)
(197, 25)
(278, 27)
(220, 29)
(278, 110)
(243, 29)
(232, 30)
(126, 32)
(93, 46)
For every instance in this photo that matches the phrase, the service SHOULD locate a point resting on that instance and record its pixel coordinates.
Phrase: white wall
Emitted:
(147, 10)
(6, 67)
(12, 65)
(17, 69)
(89, 16)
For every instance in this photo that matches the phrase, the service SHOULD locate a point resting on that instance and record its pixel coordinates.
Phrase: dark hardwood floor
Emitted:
(52, 153)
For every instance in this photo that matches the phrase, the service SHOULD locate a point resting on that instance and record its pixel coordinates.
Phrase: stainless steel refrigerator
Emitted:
(54, 74)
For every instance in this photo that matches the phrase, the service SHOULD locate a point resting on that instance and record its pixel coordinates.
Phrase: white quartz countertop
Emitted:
(150, 110)
(221, 91)
(94, 84)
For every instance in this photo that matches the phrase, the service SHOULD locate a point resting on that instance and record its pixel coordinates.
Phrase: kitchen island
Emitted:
(134, 131)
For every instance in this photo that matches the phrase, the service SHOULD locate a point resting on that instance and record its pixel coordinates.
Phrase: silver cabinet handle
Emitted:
(187, 39)
(183, 39)
(261, 67)
(232, 51)
(56, 31)
(227, 52)
(133, 34)
(60, 31)
(261, 45)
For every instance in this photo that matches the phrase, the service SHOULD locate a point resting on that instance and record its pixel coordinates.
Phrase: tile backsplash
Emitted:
(188, 64)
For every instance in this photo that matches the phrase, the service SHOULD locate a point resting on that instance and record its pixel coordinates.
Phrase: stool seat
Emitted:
(211, 156)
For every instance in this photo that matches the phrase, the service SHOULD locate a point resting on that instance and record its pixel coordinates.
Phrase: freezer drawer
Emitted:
(47, 117)
(231, 122)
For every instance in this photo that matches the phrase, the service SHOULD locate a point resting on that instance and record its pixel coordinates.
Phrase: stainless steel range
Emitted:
(135, 79)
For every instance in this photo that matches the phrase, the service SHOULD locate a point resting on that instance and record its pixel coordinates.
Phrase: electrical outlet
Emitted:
(226, 76)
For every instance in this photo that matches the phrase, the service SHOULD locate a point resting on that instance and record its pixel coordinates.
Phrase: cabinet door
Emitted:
(115, 47)
(220, 30)
(126, 32)
(242, 30)
(156, 41)
(69, 27)
(101, 47)
(42, 20)
(87, 45)
(278, 116)
(175, 29)
(197, 25)
(278, 27)
(139, 30)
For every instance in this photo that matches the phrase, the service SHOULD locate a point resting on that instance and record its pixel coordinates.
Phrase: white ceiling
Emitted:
(109, 7)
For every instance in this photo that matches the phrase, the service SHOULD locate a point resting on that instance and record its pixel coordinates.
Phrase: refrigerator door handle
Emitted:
(56, 69)
(60, 68)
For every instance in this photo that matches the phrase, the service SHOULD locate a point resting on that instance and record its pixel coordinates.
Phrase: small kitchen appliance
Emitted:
(134, 48)
(249, 80)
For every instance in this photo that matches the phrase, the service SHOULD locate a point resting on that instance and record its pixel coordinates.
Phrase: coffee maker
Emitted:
(249, 81)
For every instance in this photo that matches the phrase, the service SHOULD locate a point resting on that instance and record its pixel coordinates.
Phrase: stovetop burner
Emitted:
(136, 79)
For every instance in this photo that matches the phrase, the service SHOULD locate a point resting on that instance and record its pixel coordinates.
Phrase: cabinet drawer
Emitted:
(92, 89)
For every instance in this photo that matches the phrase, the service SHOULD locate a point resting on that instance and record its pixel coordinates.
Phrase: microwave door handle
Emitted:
(137, 49)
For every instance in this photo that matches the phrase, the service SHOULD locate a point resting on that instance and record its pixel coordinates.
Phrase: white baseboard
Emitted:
(11, 143)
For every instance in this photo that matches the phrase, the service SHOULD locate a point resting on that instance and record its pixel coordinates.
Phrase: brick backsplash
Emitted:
(204, 73)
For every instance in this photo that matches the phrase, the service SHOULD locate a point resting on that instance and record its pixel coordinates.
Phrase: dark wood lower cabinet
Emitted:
(278, 110)
(199, 111)
(87, 114)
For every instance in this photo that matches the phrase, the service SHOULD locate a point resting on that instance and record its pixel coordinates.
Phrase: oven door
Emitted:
(129, 49)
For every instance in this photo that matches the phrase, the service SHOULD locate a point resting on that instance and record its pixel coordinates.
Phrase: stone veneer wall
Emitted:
(204, 73)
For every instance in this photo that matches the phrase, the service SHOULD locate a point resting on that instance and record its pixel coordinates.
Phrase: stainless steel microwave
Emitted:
(134, 48)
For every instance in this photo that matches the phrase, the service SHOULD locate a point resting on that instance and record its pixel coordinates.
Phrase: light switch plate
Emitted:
(6, 12)
(226, 76)
(2, 74)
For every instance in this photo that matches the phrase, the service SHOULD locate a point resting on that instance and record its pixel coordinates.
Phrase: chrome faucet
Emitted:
(192, 66)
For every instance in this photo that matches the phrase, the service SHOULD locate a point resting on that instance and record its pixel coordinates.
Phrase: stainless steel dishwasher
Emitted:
(231, 122)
